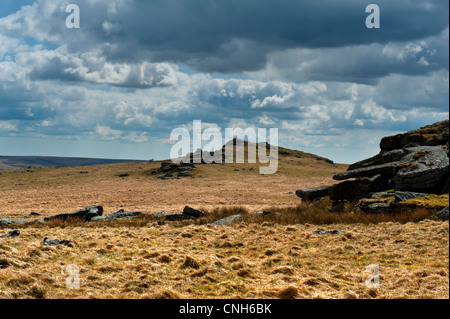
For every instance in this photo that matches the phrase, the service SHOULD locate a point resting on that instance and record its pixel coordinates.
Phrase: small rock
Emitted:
(5, 221)
(121, 214)
(11, 234)
(55, 242)
(159, 214)
(228, 220)
(193, 212)
(177, 216)
(330, 232)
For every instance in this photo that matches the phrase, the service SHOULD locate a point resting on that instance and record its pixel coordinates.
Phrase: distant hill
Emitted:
(12, 162)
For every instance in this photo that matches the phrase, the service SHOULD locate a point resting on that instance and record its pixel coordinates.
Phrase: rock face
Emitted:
(424, 169)
(410, 163)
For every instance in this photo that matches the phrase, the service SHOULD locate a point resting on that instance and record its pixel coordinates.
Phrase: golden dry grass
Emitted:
(274, 256)
(248, 260)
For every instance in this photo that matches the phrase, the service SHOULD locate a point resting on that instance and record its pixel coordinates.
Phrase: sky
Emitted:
(135, 70)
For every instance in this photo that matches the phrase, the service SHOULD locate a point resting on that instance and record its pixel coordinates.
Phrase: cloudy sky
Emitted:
(135, 70)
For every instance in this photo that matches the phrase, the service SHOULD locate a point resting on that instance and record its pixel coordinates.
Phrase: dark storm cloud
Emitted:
(360, 63)
(229, 35)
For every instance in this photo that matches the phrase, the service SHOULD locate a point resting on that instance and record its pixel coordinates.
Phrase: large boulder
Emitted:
(412, 164)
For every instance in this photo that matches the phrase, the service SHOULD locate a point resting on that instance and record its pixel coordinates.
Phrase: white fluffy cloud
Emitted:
(125, 79)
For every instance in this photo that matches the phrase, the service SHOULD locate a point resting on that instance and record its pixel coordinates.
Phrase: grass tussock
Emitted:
(317, 213)
(287, 293)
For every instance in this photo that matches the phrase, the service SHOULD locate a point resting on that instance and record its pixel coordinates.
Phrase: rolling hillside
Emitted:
(12, 162)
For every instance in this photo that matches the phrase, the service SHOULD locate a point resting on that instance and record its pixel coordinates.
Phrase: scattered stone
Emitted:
(123, 175)
(121, 214)
(21, 222)
(85, 214)
(56, 242)
(5, 221)
(169, 169)
(228, 220)
(159, 214)
(193, 212)
(177, 216)
(11, 234)
(330, 232)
